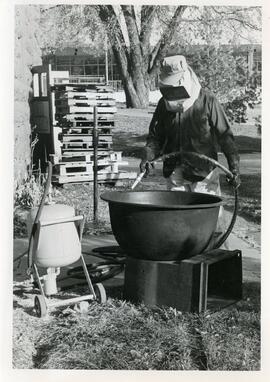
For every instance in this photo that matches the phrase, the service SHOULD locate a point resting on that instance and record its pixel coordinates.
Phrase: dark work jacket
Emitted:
(202, 128)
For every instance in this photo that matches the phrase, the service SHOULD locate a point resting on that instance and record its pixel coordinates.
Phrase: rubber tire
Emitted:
(101, 296)
(40, 306)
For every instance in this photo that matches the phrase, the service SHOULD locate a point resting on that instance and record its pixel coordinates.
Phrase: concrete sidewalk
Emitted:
(251, 258)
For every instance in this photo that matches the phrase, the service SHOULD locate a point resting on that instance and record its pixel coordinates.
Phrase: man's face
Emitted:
(174, 97)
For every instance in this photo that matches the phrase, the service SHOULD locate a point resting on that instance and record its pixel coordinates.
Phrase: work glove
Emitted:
(147, 161)
(235, 181)
(146, 166)
(233, 164)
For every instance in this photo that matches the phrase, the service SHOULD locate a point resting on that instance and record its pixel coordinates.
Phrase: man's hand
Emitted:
(235, 181)
(147, 160)
(145, 165)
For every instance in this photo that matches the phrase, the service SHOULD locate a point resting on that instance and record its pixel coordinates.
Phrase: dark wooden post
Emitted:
(106, 62)
(95, 166)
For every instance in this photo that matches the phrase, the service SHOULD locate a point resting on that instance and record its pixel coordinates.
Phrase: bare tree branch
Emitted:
(138, 67)
(236, 10)
(135, 55)
(161, 48)
(132, 28)
(241, 20)
(148, 13)
(113, 29)
(236, 31)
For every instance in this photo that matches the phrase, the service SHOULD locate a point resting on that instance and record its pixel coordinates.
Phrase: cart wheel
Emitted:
(100, 292)
(40, 306)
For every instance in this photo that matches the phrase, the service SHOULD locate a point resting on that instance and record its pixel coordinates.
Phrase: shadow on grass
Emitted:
(250, 186)
(27, 309)
(41, 356)
(248, 144)
(115, 291)
(249, 196)
(131, 144)
(251, 301)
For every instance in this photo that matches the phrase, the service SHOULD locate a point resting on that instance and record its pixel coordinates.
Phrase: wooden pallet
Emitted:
(83, 103)
(82, 88)
(101, 151)
(116, 156)
(84, 138)
(112, 156)
(84, 95)
(102, 130)
(78, 168)
(64, 123)
(73, 109)
(85, 117)
(63, 109)
(83, 146)
(102, 161)
(102, 177)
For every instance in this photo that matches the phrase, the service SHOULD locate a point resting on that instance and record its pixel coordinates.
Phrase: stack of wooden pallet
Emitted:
(74, 113)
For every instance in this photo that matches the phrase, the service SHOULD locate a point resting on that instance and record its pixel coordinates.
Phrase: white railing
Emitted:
(96, 80)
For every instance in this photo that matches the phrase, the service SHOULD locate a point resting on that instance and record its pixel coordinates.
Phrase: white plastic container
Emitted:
(56, 245)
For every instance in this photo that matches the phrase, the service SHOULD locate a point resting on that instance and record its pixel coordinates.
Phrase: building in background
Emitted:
(79, 62)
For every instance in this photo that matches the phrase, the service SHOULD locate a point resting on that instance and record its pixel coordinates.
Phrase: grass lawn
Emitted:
(123, 336)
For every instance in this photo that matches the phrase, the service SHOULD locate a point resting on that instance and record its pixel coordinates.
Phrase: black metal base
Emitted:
(211, 280)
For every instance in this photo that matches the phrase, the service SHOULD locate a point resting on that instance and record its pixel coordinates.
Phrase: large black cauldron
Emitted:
(162, 225)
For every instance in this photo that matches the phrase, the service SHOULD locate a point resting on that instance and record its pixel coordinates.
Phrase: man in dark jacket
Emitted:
(189, 119)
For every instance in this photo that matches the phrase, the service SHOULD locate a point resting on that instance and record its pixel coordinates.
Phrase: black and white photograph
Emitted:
(135, 201)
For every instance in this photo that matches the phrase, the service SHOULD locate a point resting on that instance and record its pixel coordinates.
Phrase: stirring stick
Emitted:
(138, 179)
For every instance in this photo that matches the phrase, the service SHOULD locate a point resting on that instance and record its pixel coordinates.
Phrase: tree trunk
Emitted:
(137, 92)
(135, 82)
(129, 59)
(137, 64)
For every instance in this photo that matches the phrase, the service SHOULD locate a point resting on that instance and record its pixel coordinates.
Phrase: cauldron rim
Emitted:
(107, 196)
